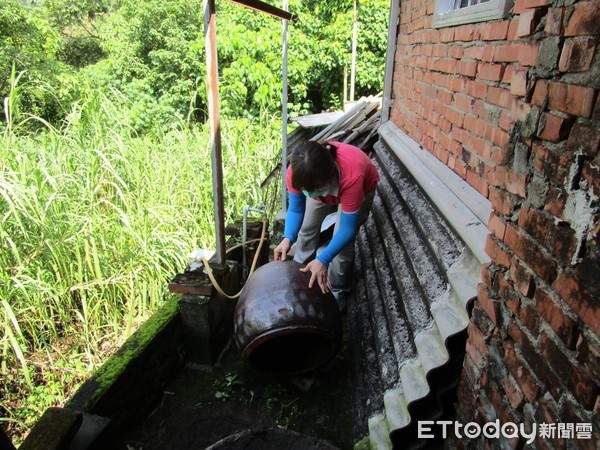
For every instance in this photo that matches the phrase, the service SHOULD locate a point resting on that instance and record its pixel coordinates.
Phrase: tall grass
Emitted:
(94, 222)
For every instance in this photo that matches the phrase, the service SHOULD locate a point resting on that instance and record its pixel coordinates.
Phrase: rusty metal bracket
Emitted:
(263, 7)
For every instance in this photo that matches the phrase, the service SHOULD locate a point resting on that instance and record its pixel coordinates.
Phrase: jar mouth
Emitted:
(291, 350)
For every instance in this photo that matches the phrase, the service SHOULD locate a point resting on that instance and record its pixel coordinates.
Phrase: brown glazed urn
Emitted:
(281, 326)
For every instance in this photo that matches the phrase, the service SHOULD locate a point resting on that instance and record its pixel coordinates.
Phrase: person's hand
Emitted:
(281, 251)
(318, 273)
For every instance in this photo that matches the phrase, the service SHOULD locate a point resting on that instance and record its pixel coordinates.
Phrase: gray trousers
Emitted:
(341, 268)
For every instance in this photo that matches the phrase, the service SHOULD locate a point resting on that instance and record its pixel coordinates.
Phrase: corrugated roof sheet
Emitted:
(415, 278)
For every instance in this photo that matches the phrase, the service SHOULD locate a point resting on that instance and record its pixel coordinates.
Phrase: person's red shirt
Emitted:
(358, 177)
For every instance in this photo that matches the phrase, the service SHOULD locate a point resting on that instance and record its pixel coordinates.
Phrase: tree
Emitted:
(30, 43)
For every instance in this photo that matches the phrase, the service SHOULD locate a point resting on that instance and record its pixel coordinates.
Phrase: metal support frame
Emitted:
(284, 114)
(212, 87)
(263, 7)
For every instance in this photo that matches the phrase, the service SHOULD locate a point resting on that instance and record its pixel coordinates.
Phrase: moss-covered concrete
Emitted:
(54, 430)
(153, 350)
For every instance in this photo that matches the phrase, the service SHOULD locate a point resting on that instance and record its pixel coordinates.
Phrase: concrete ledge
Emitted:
(463, 207)
(126, 383)
(54, 430)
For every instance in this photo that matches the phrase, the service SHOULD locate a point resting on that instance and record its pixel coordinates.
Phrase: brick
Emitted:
(518, 82)
(575, 295)
(556, 201)
(584, 20)
(497, 226)
(527, 23)
(495, 31)
(480, 147)
(584, 139)
(562, 324)
(571, 99)
(554, 128)
(488, 271)
(588, 356)
(506, 120)
(444, 97)
(529, 252)
(500, 96)
(475, 355)
(467, 68)
(491, 72)
(528, 54)
(463, 102)
(520, 110)
(474, 125)
(471, 375)
(478, 183)
(513, 392)
(445, 35)
(456, 52)
(503, 202)
(576, 380)
(508, 73)
(529, 317)
(496, 253)
(522, 279)
(474, 52)
(540, 93)
(559, 239)
(531, 353)
(577, 55)
(554, 20)
(497, 136)
(490, 305)
(523, 5)
(550, 164)
(464, 33)
(516, 184)
(515, 365)
(507, 53)
(477, 338)
(500, 156)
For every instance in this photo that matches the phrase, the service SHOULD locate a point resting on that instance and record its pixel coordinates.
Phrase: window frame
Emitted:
(445, 16)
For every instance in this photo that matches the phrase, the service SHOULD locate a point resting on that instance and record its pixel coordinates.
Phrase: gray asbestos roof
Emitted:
(418, 263)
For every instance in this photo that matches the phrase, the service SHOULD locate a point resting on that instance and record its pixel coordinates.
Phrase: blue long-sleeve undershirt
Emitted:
(344, 235)
(294, 216)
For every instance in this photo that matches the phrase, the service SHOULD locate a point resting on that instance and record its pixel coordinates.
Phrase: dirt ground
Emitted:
(206, 404)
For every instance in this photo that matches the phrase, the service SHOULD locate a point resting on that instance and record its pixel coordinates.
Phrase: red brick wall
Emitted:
(512, 106)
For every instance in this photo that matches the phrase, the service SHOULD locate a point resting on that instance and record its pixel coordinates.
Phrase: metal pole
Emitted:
(212, 86)
(354, 39)
(284, 113)
(393, 24)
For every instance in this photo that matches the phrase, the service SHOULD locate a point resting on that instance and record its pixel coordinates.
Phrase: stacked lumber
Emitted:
(358, 126)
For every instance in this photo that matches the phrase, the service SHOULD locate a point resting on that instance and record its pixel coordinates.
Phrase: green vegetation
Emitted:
(95, 221)
(105, 181)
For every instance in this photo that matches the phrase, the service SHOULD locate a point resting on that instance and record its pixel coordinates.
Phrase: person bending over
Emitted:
(322, 179)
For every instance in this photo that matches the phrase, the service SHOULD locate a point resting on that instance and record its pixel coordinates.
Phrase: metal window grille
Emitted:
(458, 4)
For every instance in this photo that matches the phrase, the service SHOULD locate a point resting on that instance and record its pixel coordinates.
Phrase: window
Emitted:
(458, 12)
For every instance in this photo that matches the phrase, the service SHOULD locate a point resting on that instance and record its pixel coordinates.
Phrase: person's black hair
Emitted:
(313, 165)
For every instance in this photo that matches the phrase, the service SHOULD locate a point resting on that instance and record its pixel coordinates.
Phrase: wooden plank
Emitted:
(318, 120)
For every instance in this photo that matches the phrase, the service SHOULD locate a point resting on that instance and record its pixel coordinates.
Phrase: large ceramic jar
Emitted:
(283, 327)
